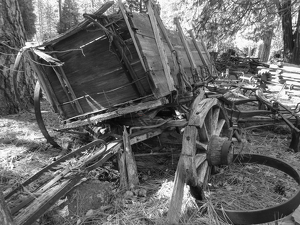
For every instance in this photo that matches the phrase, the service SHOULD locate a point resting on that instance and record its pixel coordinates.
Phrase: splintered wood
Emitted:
(129, 170)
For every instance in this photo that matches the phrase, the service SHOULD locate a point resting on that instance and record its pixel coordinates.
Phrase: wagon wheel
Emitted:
(38, 115)
(212, 143)
(205, 143)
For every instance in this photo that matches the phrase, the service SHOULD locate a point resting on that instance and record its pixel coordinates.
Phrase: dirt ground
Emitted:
(98, 200)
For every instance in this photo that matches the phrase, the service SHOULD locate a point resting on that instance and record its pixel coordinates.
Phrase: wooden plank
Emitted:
(199, 51)
(142, 25)
(160, 46)
(160, 86)
(188, 51)
(39, 206)
(146, 38)
(117, 113)
(123, 11)
(208, 55)
(144, 135)
(179, 73)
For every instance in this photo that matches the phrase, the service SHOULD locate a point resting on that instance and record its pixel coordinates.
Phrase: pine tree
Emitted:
(12, 38)
(69, 16)
(28, 16)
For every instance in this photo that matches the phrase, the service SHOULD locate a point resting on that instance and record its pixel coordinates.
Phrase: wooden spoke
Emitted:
(199, 159)
(215, 119)
(220, 126)
(208, 122)
(201, 146)
(203, 134)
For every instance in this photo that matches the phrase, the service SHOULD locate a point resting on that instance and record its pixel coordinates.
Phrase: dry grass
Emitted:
(23, 152)
(250, 187)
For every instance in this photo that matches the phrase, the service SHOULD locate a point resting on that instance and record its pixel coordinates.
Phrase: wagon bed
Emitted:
(110, 62)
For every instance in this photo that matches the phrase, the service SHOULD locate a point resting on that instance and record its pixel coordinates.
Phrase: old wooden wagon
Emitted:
(111, 76)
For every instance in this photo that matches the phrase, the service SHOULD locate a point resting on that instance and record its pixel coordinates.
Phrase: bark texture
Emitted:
(296, 50)
(264, 52)
(286, 21)
(12, 38)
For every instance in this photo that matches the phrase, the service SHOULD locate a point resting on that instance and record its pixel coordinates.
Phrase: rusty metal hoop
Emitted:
(268, 214)
(38, 115)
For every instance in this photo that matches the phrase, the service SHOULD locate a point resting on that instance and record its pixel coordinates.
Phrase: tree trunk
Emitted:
(12, 38)
(296, 50)
(5, 217)
(266, 47)
(286, 22)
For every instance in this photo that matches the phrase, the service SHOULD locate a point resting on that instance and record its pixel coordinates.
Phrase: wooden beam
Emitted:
(160, 46)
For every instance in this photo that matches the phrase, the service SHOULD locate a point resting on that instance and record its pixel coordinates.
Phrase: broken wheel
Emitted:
(207, 134)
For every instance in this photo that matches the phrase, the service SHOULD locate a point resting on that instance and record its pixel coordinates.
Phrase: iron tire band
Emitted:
(268, 214)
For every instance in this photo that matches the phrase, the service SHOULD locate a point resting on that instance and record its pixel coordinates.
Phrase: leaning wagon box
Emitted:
(110, 62)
